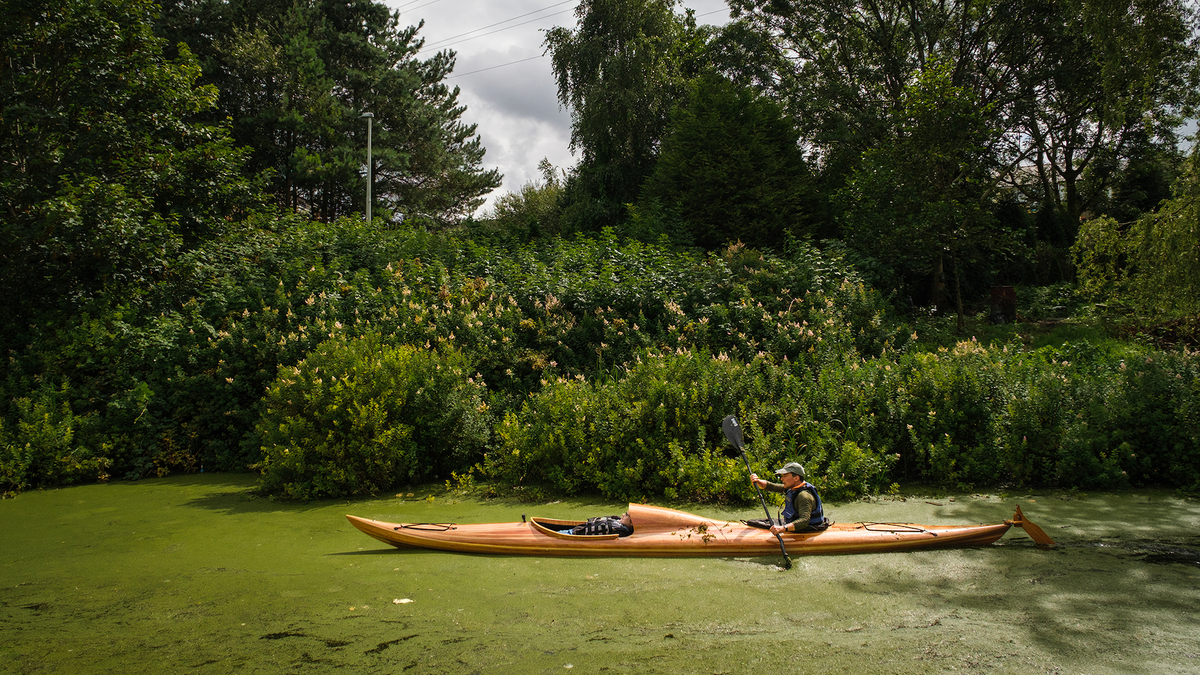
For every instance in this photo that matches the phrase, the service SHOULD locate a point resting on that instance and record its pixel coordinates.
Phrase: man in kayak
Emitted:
(621, 525)
(802, 508)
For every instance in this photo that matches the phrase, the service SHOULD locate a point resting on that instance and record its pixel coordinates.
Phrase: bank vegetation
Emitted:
(972, 265)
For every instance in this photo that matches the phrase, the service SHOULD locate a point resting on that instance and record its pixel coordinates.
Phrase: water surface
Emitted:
(192, 574)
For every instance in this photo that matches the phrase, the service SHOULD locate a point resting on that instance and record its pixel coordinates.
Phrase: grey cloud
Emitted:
(524, 89)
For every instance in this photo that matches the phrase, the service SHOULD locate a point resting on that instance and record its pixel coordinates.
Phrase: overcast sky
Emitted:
(506, 82)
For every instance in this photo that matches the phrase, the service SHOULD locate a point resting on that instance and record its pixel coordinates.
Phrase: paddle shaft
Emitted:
(733, 433)
(757, 489)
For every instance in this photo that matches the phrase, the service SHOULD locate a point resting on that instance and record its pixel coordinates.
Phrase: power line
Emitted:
(413, 2)
(530, 58)
(444, 44)
(451, 77)
(536, 11)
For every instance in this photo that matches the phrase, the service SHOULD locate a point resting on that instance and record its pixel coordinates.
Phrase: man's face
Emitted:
(790, 480)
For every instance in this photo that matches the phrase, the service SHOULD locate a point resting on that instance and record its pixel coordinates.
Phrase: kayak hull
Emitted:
(667, 533)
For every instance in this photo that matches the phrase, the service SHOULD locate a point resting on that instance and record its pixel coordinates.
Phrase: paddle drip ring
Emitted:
(427, 527)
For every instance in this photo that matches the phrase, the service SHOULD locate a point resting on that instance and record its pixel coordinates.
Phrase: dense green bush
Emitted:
(358, 416)
(173, 378)
(652, 427)
(1073, 416)
(598, 302)
(40, 449)
(626, 436)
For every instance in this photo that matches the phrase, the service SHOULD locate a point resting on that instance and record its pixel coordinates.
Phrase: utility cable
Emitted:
(530, 58)
(413, 3)
(501, 65)
(521, 16)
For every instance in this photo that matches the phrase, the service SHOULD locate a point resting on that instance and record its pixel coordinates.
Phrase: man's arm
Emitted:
(764, 484)
(773, 487)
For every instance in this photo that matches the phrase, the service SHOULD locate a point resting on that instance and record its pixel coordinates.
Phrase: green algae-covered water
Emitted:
(191, 574)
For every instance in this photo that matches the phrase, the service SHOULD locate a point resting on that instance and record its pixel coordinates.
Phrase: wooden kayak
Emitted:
(667, 533)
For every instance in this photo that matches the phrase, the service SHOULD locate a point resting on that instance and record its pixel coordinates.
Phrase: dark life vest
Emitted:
(603, 525)
(815, 519)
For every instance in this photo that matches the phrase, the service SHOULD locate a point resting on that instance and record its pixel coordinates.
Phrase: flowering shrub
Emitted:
(607, 366)
(357, 416)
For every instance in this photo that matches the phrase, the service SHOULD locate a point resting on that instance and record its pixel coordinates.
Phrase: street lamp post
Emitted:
(369, 117)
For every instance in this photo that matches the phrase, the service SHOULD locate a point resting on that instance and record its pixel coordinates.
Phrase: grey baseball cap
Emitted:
(791, 467)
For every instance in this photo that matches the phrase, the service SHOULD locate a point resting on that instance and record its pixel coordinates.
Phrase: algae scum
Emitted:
(190, 574)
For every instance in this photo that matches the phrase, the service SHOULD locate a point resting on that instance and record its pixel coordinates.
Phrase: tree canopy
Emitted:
(109, 171)
(1153, 263)
(296, 77)
(1065, 80)
(925, 193)
(731, 167)
(620, 72)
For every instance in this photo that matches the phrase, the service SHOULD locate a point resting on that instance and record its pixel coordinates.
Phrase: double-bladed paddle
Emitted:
(733, 432)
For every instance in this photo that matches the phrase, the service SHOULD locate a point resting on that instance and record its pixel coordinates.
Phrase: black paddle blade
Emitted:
(733, 431)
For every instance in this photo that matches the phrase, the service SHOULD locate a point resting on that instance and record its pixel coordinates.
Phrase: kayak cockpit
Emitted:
(561, 529)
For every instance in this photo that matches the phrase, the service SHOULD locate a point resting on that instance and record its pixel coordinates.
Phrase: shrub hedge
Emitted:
(652, 346)
(653, 428)
(1074, 416)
